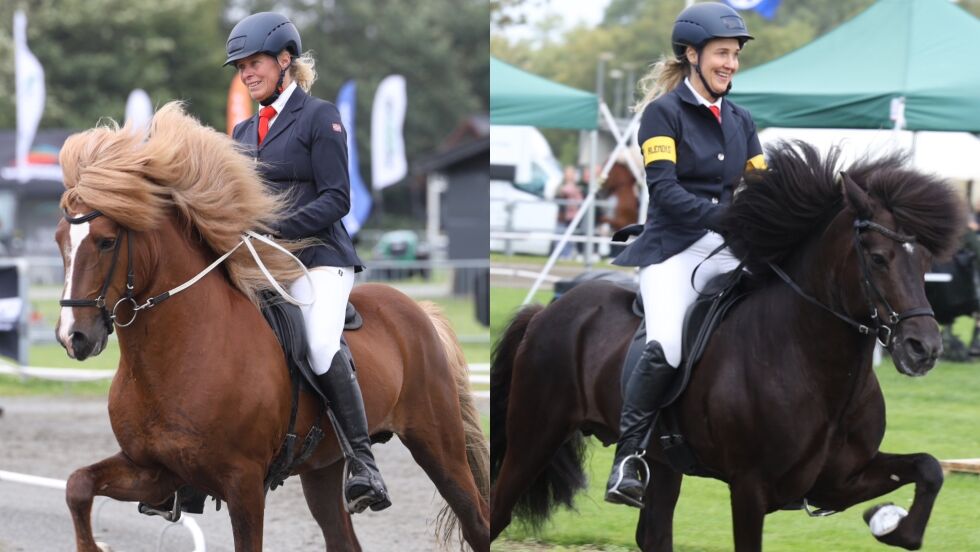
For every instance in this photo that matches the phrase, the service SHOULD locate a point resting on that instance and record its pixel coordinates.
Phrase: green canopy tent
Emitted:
(924, 51)
(521, 98)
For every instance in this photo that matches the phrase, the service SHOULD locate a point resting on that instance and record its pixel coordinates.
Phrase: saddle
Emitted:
(286, 321)
(717, 299)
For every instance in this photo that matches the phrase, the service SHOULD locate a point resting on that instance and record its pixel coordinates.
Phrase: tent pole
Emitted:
(593, 188)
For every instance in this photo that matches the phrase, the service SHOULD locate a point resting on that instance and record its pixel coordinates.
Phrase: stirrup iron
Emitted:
(639, 456)
(172, 515)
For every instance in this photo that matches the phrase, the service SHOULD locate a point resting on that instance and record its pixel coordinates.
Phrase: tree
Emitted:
(95, 52)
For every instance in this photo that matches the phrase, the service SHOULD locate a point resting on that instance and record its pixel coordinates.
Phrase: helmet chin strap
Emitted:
(714, 95)
(279, 88)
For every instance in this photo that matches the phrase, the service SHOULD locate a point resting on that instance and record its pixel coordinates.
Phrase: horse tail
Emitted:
(477, 447)
(564, 475)
(501, 369)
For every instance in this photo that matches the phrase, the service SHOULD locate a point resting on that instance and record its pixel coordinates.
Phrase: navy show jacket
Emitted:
(693, 164)
(305, 155)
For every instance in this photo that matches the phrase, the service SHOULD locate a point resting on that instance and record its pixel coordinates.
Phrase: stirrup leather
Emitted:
(644, 479)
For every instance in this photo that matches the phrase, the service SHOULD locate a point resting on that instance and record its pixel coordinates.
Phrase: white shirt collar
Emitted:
(280, 102)
(701, 99)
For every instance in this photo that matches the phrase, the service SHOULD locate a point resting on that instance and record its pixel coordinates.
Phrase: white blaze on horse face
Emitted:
(76, 235)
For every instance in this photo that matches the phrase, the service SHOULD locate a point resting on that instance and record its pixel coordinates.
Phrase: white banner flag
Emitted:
(139, 111)
(388, 164)
(30, 94)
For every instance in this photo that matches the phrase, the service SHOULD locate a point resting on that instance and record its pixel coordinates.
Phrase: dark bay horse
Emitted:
(784, 405)
(202, 394)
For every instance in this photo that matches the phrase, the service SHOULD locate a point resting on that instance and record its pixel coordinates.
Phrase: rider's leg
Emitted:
(324, 326)
(666, 291)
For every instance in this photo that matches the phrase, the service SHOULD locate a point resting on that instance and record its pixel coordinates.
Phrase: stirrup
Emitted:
(172, 515)
(620, 497)
(376, 498)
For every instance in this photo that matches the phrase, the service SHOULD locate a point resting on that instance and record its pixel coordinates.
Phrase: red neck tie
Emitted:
(265, 115)
(714, 109)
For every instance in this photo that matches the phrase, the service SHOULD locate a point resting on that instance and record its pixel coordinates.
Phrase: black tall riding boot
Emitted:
(365, 487)
(644, 392)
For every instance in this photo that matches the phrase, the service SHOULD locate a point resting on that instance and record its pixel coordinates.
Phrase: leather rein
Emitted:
(883, 329)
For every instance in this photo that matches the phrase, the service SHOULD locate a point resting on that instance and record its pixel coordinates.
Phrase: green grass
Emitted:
(935, 414)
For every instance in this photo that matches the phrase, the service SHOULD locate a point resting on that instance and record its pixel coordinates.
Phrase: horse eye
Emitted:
(879, 260)
(106, 244)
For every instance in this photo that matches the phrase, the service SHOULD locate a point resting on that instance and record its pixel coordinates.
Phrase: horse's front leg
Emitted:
(882, 475)
(244, 491)
(115, 477)
(749, 506)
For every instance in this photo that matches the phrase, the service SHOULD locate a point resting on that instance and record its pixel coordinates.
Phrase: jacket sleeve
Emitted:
(328, 151)
(658, 137)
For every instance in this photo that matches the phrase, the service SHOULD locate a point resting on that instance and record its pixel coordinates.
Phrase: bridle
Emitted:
(883, 329)
(109, 318)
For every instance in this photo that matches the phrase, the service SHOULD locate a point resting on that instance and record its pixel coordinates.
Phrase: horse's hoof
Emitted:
(103, 547)
(884, 518)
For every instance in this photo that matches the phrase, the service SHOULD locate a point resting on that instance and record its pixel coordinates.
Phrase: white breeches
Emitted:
(325, 317)
(667, 292)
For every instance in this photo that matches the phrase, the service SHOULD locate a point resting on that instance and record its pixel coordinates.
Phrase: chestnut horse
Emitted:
(621, 185)
(202, 394)
(784, 405)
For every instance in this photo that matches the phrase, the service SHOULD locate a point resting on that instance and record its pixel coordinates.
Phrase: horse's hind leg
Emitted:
(323, 489)
(439, 448)
(115, 477)
(655, 532)
(885, 473)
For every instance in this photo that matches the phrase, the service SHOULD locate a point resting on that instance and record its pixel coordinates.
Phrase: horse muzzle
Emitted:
(81, 344)
(916, 352)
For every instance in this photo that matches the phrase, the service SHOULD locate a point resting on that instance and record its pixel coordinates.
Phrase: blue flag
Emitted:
(360, 197)
(765, 8)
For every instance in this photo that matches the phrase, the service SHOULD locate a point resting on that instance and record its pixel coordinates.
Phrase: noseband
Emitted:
(108, 317)
(883, 330)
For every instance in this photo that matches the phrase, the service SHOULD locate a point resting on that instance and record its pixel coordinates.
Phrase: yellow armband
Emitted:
(757, 163)
(659, 148)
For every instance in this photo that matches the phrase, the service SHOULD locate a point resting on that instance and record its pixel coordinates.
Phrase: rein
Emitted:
(883, 330)
(110, 318)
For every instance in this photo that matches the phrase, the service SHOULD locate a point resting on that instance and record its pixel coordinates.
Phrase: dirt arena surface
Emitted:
(52, 436)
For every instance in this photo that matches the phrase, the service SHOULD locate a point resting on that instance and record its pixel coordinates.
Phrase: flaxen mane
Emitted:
(780, 209)
(184, 167)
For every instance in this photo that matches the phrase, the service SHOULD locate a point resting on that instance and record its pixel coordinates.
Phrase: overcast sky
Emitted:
(586, 12)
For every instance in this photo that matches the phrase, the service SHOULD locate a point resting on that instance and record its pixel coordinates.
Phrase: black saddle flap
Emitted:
(286, 321)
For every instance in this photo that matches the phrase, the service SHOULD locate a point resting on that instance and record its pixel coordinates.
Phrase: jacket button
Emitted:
(721, 156)
(714, 200)
(717, 179)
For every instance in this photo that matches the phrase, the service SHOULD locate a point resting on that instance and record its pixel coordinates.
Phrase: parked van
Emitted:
(522, 200)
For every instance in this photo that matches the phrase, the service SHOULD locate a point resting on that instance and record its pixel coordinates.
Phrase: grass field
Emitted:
(936, 414)
(460, 312)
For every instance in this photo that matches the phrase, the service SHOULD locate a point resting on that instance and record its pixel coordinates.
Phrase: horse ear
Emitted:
(855, 197)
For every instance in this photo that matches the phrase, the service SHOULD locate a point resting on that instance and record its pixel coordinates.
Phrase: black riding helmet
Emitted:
(698, 24)
(267, 33)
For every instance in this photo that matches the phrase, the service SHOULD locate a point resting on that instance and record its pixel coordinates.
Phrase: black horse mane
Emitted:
(779, 209)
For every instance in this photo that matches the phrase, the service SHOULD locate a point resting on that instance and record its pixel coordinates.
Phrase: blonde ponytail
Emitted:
(665, 75)
(303, 70)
